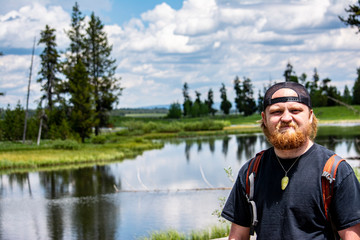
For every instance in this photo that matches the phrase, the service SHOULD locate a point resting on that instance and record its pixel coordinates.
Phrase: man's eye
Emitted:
(276, 112)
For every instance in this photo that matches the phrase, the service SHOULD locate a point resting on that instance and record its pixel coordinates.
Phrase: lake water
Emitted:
(161, 189)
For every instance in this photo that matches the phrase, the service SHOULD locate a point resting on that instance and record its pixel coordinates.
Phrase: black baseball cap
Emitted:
(303, 95)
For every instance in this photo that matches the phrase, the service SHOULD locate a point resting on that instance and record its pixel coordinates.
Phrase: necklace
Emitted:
(285, 179)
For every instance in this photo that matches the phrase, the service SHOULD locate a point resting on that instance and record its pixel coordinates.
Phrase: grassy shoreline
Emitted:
(16, 157)
(136, 136)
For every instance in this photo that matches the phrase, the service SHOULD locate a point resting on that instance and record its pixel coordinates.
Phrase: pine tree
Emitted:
(249, 105)
(13, 123)
(329, 91)
(196, 107)
(346, 97)
(317, 98)
(76, 49)
(225, 105)
(238, 93)
(1, 93)
(82, 107)
(289, 74)
(260, 102)
(187, 105)
(49, 66)
(356, 89)
(76, 35)
(353, 18)
(210, 102)
(101, 68)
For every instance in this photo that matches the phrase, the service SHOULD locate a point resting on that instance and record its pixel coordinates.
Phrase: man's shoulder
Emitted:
(320, 152)
(343, 169)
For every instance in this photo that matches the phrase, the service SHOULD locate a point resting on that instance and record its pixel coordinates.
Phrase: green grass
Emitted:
(337, 113)
(217, 231)
(17, 157)
(137, 135)
(145, 115)
(324, 114)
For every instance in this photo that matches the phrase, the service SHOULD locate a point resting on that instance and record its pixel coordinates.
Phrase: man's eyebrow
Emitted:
(275, 108)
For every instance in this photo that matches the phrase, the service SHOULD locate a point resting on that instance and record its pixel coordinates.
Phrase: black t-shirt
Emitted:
(298, 211)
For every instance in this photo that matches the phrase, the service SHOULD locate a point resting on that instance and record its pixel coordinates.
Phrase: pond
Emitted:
(175, 187)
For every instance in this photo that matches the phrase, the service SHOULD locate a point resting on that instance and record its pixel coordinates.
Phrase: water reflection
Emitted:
(157, 190)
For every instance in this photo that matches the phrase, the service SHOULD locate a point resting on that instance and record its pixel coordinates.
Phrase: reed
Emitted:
(213, 232)
(64, 153)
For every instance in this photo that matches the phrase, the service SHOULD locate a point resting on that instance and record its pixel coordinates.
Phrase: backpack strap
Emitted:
(250, 183)
(327, 185)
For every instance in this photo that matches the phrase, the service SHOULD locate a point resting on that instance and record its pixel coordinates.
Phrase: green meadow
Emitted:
(133, 135)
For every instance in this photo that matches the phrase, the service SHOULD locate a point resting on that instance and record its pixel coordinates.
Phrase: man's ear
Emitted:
(263, 117)
(311, 117)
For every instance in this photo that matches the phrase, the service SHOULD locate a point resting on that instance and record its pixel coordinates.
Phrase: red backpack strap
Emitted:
(253, 167)
(250, 183)
(327, 181)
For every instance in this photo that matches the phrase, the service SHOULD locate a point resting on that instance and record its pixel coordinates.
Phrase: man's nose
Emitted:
(286, 117)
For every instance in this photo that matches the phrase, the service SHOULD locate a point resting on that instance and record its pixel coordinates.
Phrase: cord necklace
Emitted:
(285, 179)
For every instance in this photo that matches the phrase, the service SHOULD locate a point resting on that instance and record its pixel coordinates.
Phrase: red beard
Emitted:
(289, 138)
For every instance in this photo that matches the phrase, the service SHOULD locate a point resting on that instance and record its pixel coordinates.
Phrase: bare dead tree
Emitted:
(344, 104)
(28, 92)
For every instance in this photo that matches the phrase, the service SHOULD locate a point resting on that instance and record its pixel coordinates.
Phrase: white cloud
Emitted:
(197, 17)
(29, 21)
(204, 43)
(15, 82)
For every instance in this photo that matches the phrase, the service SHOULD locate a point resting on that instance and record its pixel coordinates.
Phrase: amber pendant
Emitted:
(284, 182)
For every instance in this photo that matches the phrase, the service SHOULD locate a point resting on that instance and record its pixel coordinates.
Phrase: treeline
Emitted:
(322, 94)
(79, 85)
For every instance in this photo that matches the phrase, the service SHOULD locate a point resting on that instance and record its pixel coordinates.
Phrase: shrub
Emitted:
(174, 111)
(149, 127)
(122, 132)
(206, 125)
(133, 125)
(100, 139)
(172, 127)
(66, 144)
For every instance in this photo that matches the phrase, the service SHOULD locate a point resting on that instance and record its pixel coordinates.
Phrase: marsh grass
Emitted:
(357, 173)
(135, 135)
(65, 153)
(139, 127)
(216, 231)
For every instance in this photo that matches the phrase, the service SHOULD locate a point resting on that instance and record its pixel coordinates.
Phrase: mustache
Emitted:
(285, 124)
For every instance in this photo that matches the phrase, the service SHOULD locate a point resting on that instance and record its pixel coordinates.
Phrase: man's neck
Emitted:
(293, 153)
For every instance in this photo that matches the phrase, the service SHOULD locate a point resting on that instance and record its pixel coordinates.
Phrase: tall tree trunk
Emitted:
(40, 127)
(28, 92)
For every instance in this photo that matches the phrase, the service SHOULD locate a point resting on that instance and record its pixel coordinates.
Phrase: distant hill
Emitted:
(142, 110)
(155, 109)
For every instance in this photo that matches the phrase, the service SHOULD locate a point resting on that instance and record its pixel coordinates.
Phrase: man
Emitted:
(288, 193)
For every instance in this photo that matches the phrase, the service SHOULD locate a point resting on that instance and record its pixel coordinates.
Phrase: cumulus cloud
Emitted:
(14, 83)
(204, 43)
(19, 27)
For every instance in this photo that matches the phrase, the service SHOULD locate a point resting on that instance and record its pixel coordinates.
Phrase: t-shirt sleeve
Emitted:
(236, 208)
(345, 205)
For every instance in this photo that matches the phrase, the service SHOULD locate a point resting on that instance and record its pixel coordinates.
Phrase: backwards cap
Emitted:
(303, 95)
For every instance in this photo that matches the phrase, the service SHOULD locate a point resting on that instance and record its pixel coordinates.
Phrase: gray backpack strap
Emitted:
(250, 188)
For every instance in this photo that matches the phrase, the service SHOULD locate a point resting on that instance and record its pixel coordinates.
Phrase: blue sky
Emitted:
(160, 45)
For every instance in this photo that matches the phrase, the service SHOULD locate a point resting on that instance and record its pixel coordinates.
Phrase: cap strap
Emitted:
(281, 99)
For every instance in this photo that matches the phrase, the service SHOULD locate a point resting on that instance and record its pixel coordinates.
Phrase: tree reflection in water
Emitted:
(84, 204)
